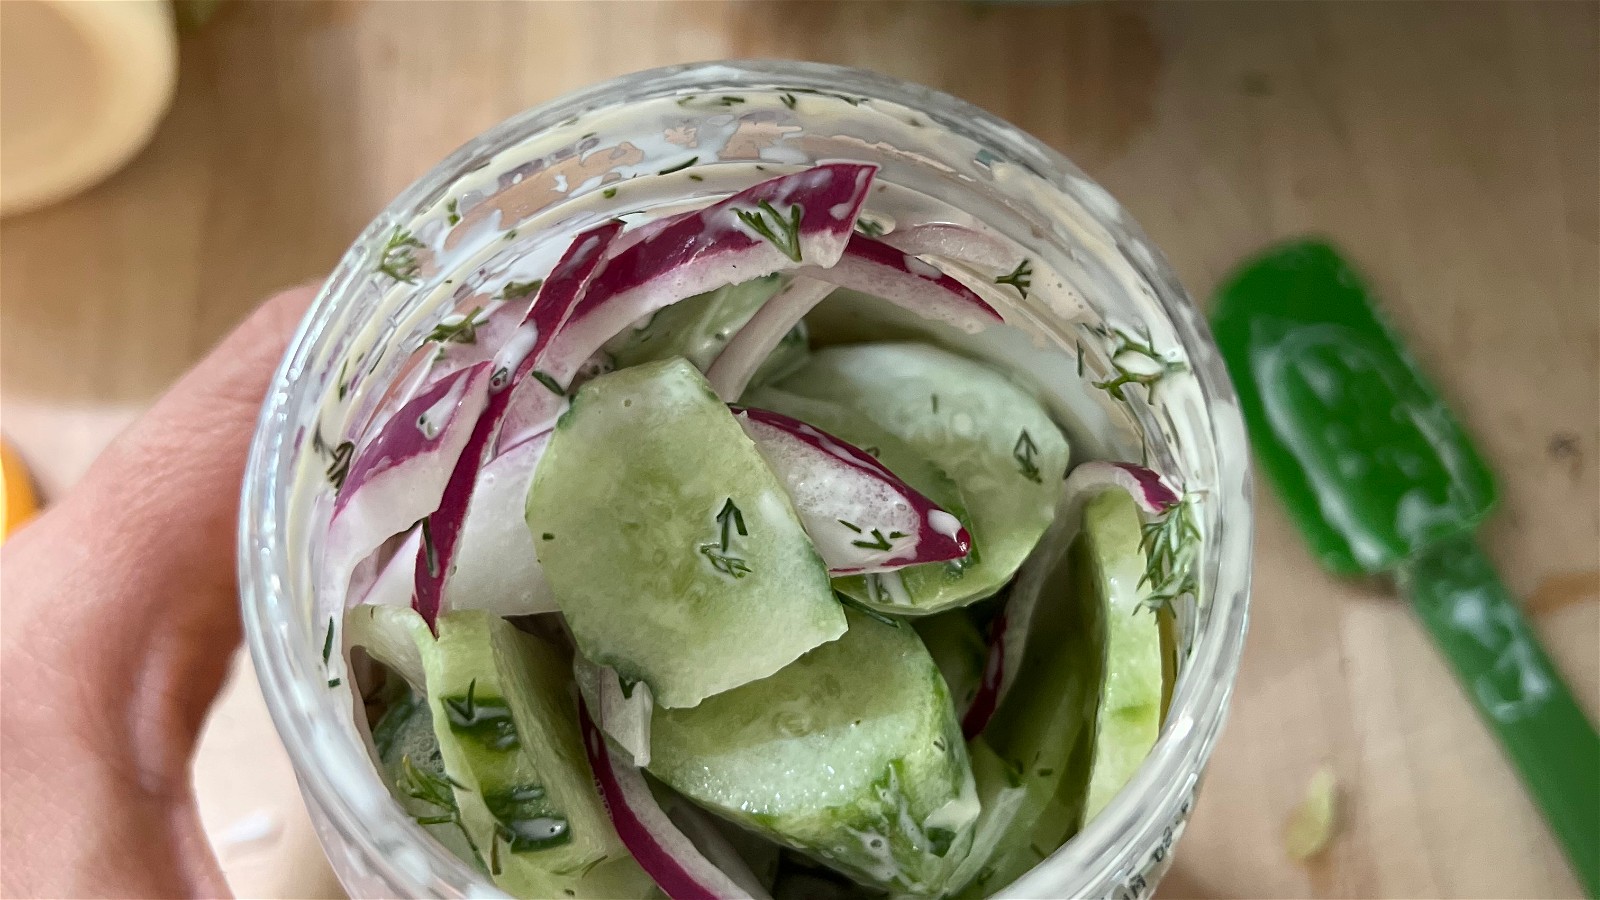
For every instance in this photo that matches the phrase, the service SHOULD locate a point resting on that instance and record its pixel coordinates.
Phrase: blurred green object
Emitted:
(1370, 463)
(1379, 477)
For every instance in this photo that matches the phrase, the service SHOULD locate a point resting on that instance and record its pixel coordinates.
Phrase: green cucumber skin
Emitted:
(1129, 718)
(970, 421)
(784, 757)
(959, 650)
(1094, 711)
(625, 509)
(508, 732)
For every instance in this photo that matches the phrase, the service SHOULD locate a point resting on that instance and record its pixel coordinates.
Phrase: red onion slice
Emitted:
(398, 477)
(664, 852)
(624, 716)
(873, 267)
(807, 218)
(981, 250)
(511, 365)
(731, 371)
(496, 564)
(860, 516)
(393, 584)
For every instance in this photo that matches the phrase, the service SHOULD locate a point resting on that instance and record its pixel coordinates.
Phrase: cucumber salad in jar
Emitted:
(690, 554)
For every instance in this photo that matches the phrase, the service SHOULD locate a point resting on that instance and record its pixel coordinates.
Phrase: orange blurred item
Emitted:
(19, 502)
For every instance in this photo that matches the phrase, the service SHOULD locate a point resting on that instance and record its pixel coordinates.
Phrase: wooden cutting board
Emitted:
(1451, 150)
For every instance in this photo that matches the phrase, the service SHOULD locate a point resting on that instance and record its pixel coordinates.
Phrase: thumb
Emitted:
(120, 617)
(134, 568)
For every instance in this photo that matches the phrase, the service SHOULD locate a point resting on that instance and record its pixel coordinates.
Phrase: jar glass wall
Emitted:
(505, 203)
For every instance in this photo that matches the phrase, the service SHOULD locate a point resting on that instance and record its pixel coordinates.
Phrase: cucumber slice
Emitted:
(851, 755)
(958, 648)
(1003, 798)
(507, 726)
(989, 434)
(697, 328)
(413, 768)
(913, 590)
(1129, 719)
(1088, 699)
(1044, 728)
(673, 550)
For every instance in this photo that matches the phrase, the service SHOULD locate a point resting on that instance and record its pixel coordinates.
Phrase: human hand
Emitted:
(121, 615)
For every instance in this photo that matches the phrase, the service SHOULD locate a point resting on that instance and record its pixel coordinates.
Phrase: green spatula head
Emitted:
(1379, 476)
(1370, 464)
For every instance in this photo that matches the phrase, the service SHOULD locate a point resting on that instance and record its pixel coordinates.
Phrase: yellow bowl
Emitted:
(85, 83)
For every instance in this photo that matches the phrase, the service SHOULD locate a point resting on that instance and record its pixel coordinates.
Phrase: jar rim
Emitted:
(313, 722)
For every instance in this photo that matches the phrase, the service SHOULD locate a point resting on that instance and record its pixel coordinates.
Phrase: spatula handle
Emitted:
(1480, 629)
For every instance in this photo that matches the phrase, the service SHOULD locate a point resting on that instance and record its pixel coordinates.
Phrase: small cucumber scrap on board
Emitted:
(990, 435)
(674, 552)
(852, 755)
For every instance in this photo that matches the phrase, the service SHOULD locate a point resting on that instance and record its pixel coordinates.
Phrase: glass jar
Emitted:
(513, 196)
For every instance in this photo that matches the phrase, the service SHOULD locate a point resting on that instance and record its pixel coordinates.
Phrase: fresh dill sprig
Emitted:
(757, 220)
(1020, 278)
(869, 227)
(680, 166)
(788, 100)
(725, 562)
(436, 791)
(517, 290)
(853, 101)
(339, 463)
(549, 381)
(1136, 361)
(430, 552)
(1171, 545)
(399, 260)
(880, 541)
(1023, 452)
(730, 519)
(847, 600)
(451, 215)
(457, 331)
(327, 644)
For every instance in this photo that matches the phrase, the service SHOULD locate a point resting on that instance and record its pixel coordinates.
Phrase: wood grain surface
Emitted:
(1451, 149)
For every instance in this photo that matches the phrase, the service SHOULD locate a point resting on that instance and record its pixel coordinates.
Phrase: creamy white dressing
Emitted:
(433, 418)
(944, 523)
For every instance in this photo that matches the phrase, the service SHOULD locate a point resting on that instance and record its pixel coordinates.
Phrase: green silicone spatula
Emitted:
(1379, 477)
